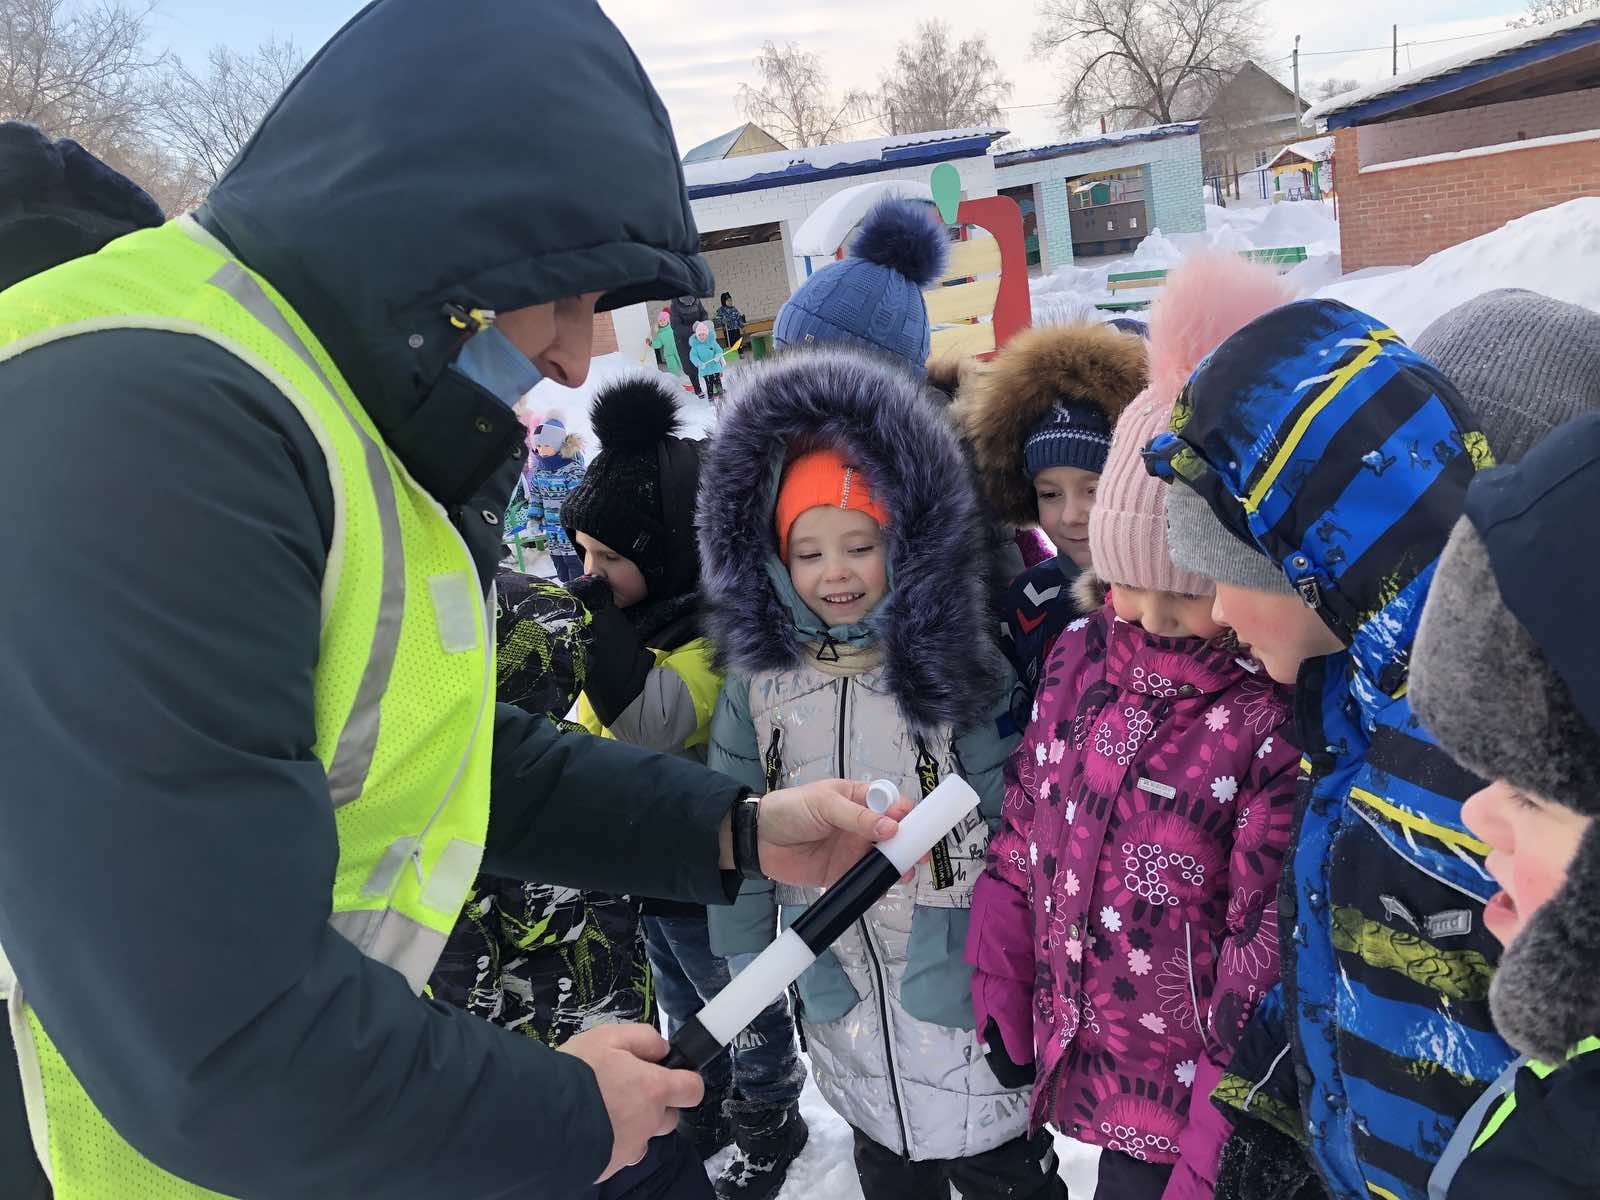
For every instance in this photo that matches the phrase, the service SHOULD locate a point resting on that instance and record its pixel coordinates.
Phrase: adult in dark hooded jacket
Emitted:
(160, 743)
(1316, 455)
(685, 312)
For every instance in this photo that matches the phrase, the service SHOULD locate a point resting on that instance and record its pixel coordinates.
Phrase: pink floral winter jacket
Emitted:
(1127, 919)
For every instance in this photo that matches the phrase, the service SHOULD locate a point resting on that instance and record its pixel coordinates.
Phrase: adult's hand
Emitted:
(641, 1098)
(812, 834)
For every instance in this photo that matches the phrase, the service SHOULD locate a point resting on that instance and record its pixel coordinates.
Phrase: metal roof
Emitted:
(1519, 48)
(785, 168)
(1150, 133)
(717, 147)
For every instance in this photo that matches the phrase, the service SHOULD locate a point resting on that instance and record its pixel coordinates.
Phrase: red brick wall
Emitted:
(1399, 217)
(605, 335)
(1485, 125)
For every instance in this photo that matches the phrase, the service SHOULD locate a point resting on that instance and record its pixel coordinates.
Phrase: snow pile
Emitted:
(1299, 223)
(572, 404)
(1072, 292)
(1553, 251)
(1157, 250)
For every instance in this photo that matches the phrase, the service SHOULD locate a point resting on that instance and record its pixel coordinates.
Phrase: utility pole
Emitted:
(1395, 34)
(1297, 109)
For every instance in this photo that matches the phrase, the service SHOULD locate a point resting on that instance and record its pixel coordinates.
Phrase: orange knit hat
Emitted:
(822, 479)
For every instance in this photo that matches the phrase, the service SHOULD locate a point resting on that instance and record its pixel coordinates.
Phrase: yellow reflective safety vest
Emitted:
(404, 683)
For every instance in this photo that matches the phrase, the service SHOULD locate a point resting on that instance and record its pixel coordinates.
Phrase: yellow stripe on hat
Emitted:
(1375, 340)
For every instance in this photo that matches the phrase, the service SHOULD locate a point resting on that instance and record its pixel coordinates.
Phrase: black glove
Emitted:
(1260, 1162)
(619, 661)
(1010, 1074)
(593, 592)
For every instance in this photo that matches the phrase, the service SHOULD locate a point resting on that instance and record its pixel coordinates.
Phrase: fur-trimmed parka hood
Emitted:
(933, 626)
(999, 407)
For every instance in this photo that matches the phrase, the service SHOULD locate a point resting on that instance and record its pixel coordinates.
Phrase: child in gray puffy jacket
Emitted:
(836, 521)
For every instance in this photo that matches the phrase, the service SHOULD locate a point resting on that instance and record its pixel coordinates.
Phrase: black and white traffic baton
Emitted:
(704, 1035)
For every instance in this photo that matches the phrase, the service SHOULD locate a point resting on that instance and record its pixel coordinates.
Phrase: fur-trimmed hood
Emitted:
(1000, 406)
(933, 627)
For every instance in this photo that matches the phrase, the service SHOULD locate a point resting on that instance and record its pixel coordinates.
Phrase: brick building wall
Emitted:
(1398, 216)
(756, 275)
(605, 335)
(1173, 199)
(1488, 125)
(1172, 194)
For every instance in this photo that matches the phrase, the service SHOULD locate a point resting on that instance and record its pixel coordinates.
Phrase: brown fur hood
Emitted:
(999, 407)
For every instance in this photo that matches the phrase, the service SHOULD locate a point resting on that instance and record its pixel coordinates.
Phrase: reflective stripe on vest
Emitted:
(404, 680)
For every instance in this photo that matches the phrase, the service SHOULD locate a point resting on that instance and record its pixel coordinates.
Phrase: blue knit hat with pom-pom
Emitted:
(874, 297)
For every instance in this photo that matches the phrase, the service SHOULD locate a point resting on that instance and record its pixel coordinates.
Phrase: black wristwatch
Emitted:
(746, 845)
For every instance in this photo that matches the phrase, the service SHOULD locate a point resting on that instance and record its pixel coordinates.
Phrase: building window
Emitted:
(1133, 222)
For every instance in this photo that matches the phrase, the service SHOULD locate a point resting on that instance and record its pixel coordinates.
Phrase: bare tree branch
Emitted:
(1329, 88)
(793, 102)
(1161, 60)
(78, 71)
(1540, 11)
(207, 118)
(938, 84)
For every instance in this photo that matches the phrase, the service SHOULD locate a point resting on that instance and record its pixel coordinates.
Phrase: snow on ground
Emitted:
(548, 399)
(1555, 251)
(826, 1168)
(1072, 292)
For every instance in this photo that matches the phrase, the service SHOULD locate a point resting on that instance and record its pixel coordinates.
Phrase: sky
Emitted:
(699, 53)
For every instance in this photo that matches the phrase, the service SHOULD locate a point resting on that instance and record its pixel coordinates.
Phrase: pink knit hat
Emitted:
(1206, 300)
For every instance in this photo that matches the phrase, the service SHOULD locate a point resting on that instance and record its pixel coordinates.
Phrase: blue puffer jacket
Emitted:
(707, 355)
(1318, 436)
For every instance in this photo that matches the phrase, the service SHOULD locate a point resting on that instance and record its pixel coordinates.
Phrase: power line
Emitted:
(1463, 37)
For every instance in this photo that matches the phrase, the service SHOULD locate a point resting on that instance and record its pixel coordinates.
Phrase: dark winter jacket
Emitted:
(887, 1011)
(545, 960)
(732, 322)
(1316, 435)
(1532, 1134)
(686, 310)
(1033, 610)
(156, 726)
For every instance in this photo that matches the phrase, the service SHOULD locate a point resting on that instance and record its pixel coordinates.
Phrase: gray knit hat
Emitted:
(1503, 676)
(1523, 362)
(1488, 694)
(1198, 542)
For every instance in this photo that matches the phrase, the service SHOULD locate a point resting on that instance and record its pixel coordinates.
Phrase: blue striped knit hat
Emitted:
(1075, 433)
(873, 299)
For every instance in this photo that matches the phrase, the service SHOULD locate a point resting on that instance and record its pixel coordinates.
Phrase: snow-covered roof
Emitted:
(831, 221)
(1149, 133)
(783, 168)
(1515, 49)
(1312, 150)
